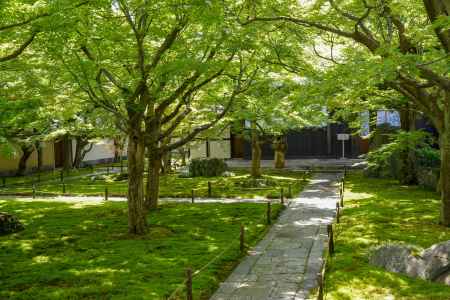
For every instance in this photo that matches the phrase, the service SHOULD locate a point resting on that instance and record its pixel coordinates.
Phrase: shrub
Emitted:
(386, 161)
(428, 157)
(207, 167)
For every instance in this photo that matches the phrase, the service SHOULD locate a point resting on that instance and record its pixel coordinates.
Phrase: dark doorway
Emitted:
(237, 146)
(59, 154)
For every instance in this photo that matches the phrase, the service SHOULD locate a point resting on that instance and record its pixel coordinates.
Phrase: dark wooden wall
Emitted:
(317, 142)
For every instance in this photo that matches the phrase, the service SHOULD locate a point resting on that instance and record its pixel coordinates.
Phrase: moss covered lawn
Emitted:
(174, 186)
(379, 211)
(74, 251)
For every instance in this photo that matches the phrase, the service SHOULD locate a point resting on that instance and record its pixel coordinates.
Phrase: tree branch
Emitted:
(19, 50)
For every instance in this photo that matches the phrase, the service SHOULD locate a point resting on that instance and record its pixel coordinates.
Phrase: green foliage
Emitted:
(76, 251)
(385, 161)
(428, 157)
(207, 167)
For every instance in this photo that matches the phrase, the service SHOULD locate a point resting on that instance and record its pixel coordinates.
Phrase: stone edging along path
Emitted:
(287, 263)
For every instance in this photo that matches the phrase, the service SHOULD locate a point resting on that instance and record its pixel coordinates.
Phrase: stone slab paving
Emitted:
(286, 264)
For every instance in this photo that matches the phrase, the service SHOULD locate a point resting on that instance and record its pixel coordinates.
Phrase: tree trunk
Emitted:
(80, 151)
(27, 150)
(118, 146)
(256, 152)
(137, 222)
(39, 156)
(67, 147)
(408, 170)
(152, 188)
(445, 169)
(280, 147)
(166, 163)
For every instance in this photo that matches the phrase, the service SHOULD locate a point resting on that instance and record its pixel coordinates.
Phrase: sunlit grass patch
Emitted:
(379, 211)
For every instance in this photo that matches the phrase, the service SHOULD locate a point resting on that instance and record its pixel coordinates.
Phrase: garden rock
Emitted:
(437, 259)
(9, 224)
(431, 264)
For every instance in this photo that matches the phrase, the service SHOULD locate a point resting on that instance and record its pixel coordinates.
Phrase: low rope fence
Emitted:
(70, 186)
(332, 235)
(188, 281)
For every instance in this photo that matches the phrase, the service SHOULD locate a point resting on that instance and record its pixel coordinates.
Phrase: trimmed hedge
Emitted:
(207, 167)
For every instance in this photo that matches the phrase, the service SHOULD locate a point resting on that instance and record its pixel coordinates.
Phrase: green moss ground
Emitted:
(174, 186)
(71, 251)
(379, 211)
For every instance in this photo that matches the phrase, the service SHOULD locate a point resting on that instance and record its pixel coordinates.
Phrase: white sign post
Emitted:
(343, 137)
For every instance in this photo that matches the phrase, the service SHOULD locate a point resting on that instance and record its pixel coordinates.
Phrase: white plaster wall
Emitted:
(103, 149)
(220, 149)
(198, 150)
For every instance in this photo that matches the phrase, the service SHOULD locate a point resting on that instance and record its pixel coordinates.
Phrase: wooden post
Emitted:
(343, 185)
(106, 193)
(192, 196)
(39, 176)
(34, 191)
(4, 181)
(189, 284)
(282, 196)
(242, 239)
(330, 239)
(64, 188)
(269, 213)
(337, 212)
(321, 279)
(61, 176)
(342, 200)
(209, 189)
(107, 170)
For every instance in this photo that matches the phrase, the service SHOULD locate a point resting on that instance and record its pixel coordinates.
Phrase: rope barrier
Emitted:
(182, 285)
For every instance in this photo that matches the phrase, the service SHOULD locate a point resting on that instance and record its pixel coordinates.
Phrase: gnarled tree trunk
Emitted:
(256, 152)
(27, 150)
(280, 147)
(137, 222)
(80, 151)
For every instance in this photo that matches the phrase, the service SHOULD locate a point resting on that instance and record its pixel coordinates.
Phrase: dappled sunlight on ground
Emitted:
(75, 252)
(376, 212)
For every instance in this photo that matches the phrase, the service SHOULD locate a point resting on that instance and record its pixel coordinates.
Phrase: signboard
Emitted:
(343, 136)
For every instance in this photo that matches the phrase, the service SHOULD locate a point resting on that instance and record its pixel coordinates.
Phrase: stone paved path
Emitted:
(286, 263)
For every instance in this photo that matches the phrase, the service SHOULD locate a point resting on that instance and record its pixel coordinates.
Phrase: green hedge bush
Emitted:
(207, 167)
